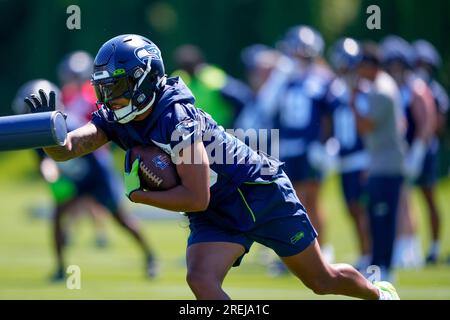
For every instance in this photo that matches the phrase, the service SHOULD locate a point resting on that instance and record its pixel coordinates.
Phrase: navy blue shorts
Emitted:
(270, 214)
(299, 169)
(429, 175)
(354, 186)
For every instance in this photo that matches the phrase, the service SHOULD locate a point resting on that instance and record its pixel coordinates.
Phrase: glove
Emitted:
(44, 104)
(414, 160)
(131, 175)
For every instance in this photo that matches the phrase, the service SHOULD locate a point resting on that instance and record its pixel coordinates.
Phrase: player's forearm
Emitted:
(79, 142)
(68, 151)
(59, 153)
(178, 199)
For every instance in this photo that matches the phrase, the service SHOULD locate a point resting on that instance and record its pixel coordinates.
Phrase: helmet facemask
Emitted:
(109, 88)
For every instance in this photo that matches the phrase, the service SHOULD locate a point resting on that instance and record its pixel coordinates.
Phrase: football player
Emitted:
(353, 158)
(84, 183)
(381, 128)
(420, 111)
(232, 198)
(427, 63)
(301, 117)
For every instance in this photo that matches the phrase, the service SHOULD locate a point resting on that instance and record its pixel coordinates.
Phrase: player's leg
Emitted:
(435, 222)
(59, 236)
(407, 251)
(384, 195)
(358, 213)
(323, 278)
(353, 188)
(308, 192)
(207, 265)
(130, 224)
(106, 197)
(98, 215)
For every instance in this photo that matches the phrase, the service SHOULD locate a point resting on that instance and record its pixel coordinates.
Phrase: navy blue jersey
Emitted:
(344, 121)
(175, 123)
(300, 111)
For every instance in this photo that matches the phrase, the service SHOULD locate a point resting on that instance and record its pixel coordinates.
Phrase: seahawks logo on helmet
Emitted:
(147, 52)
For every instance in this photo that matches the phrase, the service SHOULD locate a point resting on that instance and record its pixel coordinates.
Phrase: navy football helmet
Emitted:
(345, 54)
(427, 53)
(127, 66)
(303, 41)
(397, 49)
(75, 67)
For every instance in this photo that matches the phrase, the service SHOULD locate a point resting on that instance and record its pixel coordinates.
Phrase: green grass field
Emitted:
(116, 272)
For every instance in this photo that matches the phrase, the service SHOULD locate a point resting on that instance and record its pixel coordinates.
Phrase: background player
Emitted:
(353, 158)
(420, 113)
(301, 118)
(90, 180)
(381, 129)
(427, 63)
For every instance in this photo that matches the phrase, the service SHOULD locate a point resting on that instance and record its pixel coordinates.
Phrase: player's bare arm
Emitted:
(81, 141)
(192, 195)
(423, 111)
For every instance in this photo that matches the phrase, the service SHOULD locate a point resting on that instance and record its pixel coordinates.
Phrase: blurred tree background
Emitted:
(34, 35)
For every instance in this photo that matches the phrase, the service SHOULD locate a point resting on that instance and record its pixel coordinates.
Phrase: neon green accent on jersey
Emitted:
(299, 236)
(246, 204)
(62, 190)
(118, 72)
(262, 183)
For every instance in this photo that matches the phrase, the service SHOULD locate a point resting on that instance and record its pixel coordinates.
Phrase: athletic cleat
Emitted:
(151, 267)
(58, 276)
(431, 259)
(386, 291)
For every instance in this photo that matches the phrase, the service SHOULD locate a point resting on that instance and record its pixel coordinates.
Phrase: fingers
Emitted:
(37, 103)
(52, 102)
(30, 104)
(44, 99)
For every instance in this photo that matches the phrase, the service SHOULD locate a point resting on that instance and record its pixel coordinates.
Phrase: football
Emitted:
(157, 172)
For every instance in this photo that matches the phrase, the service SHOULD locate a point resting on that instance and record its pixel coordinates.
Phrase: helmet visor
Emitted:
(112, 89)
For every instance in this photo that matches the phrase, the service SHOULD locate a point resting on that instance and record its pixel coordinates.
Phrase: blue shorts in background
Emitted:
(429, 174)
(270, 214)
(354, 186)
(299, 169)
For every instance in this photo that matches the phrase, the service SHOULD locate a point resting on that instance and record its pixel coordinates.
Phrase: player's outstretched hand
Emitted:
(43, 104)
(131, 175)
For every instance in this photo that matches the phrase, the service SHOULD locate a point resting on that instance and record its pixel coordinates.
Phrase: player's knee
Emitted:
(200, 281)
